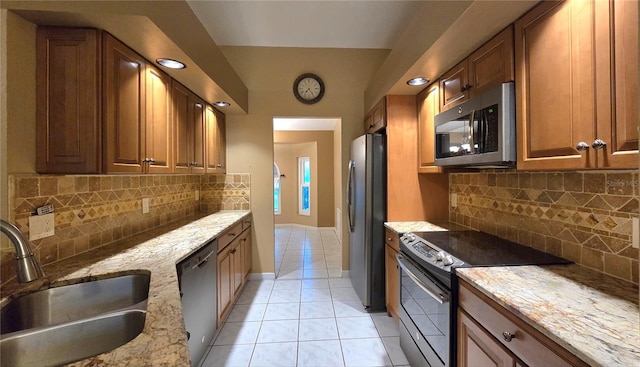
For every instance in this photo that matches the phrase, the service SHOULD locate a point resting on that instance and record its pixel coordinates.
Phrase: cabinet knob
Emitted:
(389, 239)
(582, 146)
(194, 163)
(218, 165)
(152, 160)
(466, 87)
(598, 144)
(508, 336)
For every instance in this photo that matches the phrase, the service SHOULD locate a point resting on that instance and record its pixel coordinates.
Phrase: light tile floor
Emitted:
(308, 316)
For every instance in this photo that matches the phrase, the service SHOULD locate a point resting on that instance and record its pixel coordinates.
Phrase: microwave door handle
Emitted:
(440, 298)
(484, 131)
(471, 119)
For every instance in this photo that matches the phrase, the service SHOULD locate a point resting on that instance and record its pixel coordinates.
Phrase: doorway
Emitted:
(307, 196)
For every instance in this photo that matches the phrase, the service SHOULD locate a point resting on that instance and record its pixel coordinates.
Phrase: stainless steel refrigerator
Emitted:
(367, 210)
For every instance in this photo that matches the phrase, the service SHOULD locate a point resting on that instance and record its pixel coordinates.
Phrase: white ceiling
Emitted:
(306, 23)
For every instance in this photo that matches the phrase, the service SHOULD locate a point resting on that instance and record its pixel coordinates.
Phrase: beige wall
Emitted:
(323, 181)
(286, 155)
(269, 74)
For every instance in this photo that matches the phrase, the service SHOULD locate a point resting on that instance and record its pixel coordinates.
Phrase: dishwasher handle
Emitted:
(203, 260)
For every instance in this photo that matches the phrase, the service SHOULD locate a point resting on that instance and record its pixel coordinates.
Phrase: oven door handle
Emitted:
(439, 297)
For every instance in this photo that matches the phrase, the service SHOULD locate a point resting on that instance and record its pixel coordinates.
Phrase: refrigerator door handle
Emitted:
(350, 208)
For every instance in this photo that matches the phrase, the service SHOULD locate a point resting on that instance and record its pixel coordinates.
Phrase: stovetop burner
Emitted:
(447, 250)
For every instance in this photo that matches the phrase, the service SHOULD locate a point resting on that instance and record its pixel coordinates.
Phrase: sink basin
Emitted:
(69, 323)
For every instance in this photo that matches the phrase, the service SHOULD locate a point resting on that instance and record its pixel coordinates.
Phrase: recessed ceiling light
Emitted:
(222, 104)
(418, 81)
(171, 64)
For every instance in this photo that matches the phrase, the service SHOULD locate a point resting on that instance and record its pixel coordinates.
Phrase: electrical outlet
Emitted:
(454, 200)
(41, 226)
(635, 241)
(145, 205)
(197, 195)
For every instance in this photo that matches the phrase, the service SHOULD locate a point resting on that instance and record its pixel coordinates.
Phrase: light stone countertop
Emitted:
(592, 315)
(163, 340)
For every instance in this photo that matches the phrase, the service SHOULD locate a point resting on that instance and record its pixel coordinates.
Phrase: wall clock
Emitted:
(308, 88)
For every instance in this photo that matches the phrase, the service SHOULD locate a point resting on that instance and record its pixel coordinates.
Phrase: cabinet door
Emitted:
(428, 108)
(197, 151)
(68, 113)
(617, 91)
(158, 122)
(238, 263)
(376, 120)
(124, 107)
(555, 101)
(454, 86)
(215, 141)
(180, 97)
(247, 253)
(492, 64)
(392, 282)
(225, 284)
(477, 348)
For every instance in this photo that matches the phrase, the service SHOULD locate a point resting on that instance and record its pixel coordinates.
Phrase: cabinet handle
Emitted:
(218, 166)
(466, 87)
(598, 144)
(582, 146)
(508, 336)
(233, 251)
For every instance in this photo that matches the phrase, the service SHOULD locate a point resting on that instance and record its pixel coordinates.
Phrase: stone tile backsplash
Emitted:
(585, 217)
(92, 211)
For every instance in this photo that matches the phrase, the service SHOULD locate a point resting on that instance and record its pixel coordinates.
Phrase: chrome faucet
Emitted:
(28, 268)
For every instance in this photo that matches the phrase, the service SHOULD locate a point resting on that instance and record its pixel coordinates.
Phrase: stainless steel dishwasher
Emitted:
(197, 278)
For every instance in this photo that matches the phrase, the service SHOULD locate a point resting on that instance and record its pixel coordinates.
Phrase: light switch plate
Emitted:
(145, 205)
(454, 200)
(41, 226)
(197, 195)
(635, 240)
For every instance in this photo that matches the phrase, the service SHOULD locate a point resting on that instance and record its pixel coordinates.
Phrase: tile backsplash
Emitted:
(92, 211)
(585, 217)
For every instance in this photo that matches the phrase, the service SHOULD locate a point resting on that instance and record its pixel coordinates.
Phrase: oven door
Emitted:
(425, 312)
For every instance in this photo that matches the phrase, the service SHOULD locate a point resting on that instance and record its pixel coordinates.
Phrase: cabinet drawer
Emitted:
(246, 223)
(528, 344)
(228, 236)
(391, 238)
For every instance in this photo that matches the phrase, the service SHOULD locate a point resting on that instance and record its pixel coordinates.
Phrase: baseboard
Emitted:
(279, 225)
(345, 273)
(262, 276)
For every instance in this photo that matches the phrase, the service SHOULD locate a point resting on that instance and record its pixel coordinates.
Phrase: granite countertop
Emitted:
(402, 227)
(592, 315)
(163, 341)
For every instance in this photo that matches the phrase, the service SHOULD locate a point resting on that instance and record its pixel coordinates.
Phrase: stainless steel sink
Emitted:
(69, 323)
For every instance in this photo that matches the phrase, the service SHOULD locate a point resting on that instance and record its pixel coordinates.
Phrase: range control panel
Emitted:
(430, 253)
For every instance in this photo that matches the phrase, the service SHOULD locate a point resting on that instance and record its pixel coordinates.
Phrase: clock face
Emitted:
(308, 88)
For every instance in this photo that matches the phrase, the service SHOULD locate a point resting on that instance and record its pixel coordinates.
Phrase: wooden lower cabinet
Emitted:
(490, 335)
(392, 282)
(476, 348)
(234, 265)
(225, 284)
(392, 277)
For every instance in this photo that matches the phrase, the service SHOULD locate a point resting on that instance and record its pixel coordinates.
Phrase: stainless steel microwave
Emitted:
(478, 132)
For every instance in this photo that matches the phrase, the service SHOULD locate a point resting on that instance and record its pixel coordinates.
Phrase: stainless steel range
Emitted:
(428, 286)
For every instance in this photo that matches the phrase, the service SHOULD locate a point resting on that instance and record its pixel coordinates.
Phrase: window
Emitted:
(277, 200)
(304, 186)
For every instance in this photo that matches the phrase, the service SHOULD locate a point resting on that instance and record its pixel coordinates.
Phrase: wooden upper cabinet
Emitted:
(68, 112)
(617, 91)
(428, 108)
(572, 89)
(159, 139)
(376, 119)
(124, 107)
(216, 141)
(492, 64)
(453, 90)
(180, 97)
(197, 126)
(488, 66)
